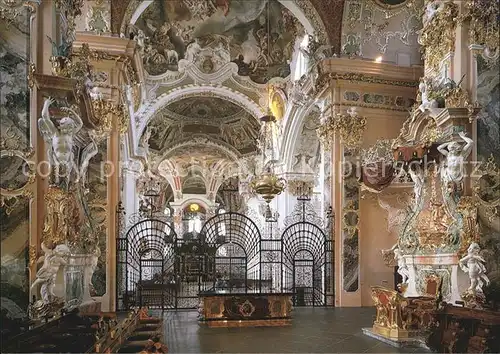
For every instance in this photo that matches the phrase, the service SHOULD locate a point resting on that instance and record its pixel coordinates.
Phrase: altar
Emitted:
(251, 309)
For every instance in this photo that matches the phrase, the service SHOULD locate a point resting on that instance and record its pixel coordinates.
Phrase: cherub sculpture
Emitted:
(60, 139)
(454, 167)
(426, 103)
(46, 275)
(473, 264)
(402, 267)
(398, 257)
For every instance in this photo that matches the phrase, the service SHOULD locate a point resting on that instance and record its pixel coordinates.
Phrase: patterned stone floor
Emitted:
(314, 330)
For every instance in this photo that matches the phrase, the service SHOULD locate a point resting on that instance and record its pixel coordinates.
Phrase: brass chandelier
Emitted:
(267, 184)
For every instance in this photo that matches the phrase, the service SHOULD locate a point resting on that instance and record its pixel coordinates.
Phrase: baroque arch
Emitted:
(147, 112)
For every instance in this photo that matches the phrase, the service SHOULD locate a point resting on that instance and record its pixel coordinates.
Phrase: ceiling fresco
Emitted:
(206, 109)
(214, 118)
(257, 35)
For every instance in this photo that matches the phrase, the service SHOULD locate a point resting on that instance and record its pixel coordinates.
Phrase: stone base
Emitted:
(418, 342)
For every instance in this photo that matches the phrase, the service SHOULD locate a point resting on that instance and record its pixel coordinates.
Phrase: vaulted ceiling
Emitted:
(213, 118)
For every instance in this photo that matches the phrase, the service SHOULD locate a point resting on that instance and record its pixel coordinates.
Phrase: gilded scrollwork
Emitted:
(350, 127)
(467, 207)
(482, 17)
(11, 10)
(487, 188)
(438, 35)
(31, 75)
(297, 187)
(62, 218)
(106, 112)
(33, 255)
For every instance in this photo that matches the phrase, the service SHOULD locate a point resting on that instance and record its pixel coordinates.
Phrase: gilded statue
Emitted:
(52, 260)
(473, 264)
(453, 170)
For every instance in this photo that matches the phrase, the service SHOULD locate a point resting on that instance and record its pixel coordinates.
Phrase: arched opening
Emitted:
(236, 263)
(307, 265)
(145, 265)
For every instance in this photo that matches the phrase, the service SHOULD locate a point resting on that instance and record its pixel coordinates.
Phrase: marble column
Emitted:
(44, 23)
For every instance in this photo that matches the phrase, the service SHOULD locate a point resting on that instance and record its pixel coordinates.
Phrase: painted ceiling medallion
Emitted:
(257, 35)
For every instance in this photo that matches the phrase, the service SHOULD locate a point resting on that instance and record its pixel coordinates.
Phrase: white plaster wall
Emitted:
(373, 30)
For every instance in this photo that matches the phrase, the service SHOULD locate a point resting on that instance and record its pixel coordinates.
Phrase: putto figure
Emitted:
(60, 140)
(473, 264)
(402, 267)
(46, 275)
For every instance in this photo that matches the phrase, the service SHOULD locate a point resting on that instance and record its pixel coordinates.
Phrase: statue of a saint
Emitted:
(417, 176)
(453, 170)
(60, 140)
(473, 264)
(46, 275)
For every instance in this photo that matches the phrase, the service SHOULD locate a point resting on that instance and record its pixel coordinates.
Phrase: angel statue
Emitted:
(473, 264)
(426, 102)
(397, 255)
(402, 267)
(453, 171)
(60, 139)
(46, 275)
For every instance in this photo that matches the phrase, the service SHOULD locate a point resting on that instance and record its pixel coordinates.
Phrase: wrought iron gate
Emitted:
(307, 265)
(157, 268)
(236, 241)
(146, 272)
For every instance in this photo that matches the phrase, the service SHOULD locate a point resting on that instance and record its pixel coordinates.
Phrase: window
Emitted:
(194, 225)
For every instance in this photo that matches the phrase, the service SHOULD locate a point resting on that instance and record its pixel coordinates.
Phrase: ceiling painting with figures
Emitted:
(257, 35)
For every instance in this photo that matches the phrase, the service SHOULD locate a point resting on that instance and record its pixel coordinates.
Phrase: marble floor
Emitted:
(314, 330)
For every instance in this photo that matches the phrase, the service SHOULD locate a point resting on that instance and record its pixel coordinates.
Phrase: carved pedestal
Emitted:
(78, 277)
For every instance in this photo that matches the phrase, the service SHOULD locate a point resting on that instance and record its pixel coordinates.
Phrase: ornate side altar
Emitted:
(245, 309)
